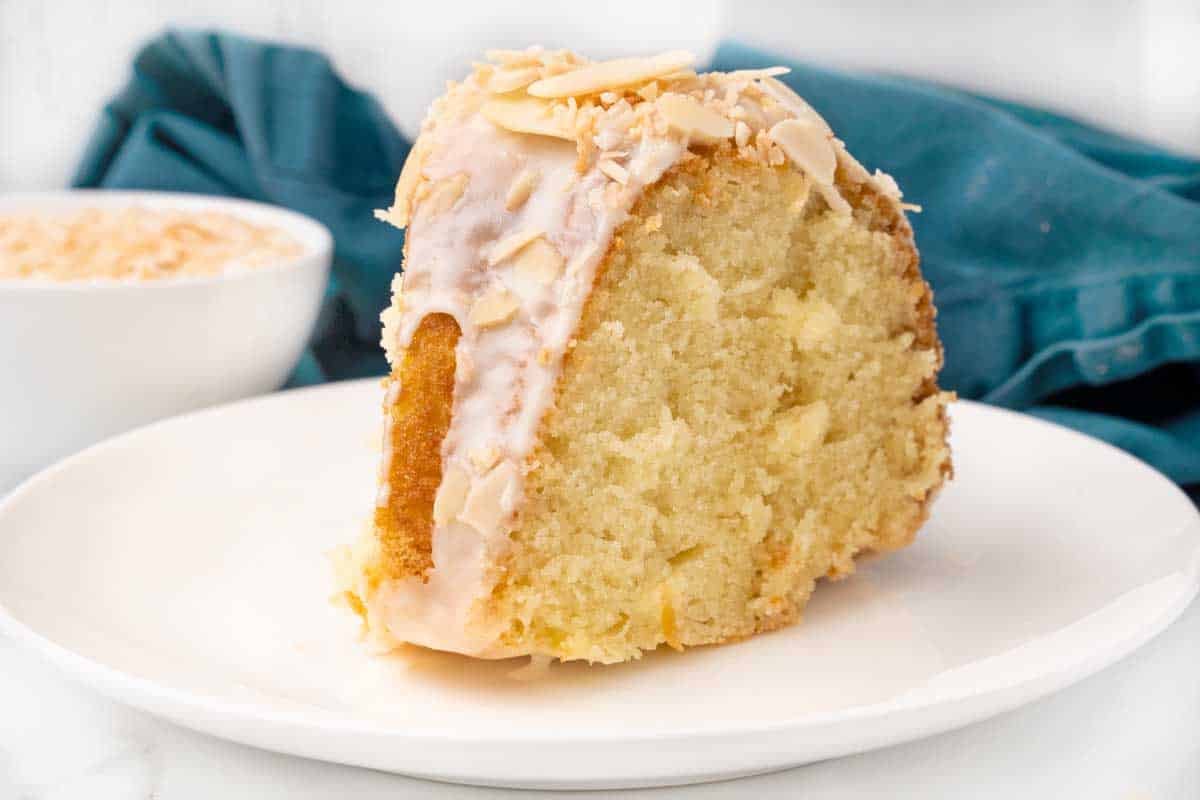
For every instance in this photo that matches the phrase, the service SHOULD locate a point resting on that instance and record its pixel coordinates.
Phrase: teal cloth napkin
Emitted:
(1065, 260)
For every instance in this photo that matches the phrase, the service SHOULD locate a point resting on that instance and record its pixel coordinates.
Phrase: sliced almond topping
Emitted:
(755, 74)
(616, 74)
(520, 190)
(886, 185)
(539, 261)
(808, 147)
(443, 195)
(584, 255)
(410, 176)
(681, 76)
(509, 80)
(485, 458)
(527, 115)
(615, 171)
(510, 58)
(741, 133)
(780, 91)
(422, 191)
(511, 244)
(913, 207)
(490, 499)
(451, 496)
(649, 91)
(834, 198)
(685, 115)
(496, 307)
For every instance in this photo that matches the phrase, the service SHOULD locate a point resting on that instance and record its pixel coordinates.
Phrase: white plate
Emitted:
(181, 568)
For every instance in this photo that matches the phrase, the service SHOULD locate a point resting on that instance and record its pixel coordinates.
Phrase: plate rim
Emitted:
(175, 703)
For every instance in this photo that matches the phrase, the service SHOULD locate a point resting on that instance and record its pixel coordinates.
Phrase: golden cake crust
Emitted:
(418, 416)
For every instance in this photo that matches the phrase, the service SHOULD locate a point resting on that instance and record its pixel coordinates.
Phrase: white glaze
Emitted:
(502, 387)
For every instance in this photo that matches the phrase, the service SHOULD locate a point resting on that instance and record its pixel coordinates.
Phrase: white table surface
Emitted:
(1132, 732)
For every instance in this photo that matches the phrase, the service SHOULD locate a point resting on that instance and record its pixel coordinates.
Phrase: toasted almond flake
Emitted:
(802, 199)
(520, 189)
(649, 91)
(913, 207)
(511, 244)
(451, 496)
(485, 458)
(509, 58)
(616, 74)
(538, 261)
(490, 499)
(582, 257)
(509, 80)
(741, 133)
(690, 118)
(808, 147)
(834, 198)
(496, 307)
(886, 184)
(443, 195)
(756, 74)
(615, 171)
(681, 76)
(410, 176)
(527, 115)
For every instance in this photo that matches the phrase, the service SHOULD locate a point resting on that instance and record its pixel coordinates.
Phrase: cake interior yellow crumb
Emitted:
(748, 404)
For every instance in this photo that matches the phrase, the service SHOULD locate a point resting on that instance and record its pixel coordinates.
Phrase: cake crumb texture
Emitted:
(750, 402)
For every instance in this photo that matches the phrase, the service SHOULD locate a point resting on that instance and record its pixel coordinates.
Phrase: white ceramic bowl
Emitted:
(83, 360)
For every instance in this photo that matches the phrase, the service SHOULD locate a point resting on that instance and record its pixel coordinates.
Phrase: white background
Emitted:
(1131, 65)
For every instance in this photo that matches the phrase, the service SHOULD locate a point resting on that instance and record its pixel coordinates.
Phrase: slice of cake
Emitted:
(662, 357)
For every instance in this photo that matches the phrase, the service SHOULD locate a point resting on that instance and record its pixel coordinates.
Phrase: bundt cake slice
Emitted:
(662, 357)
